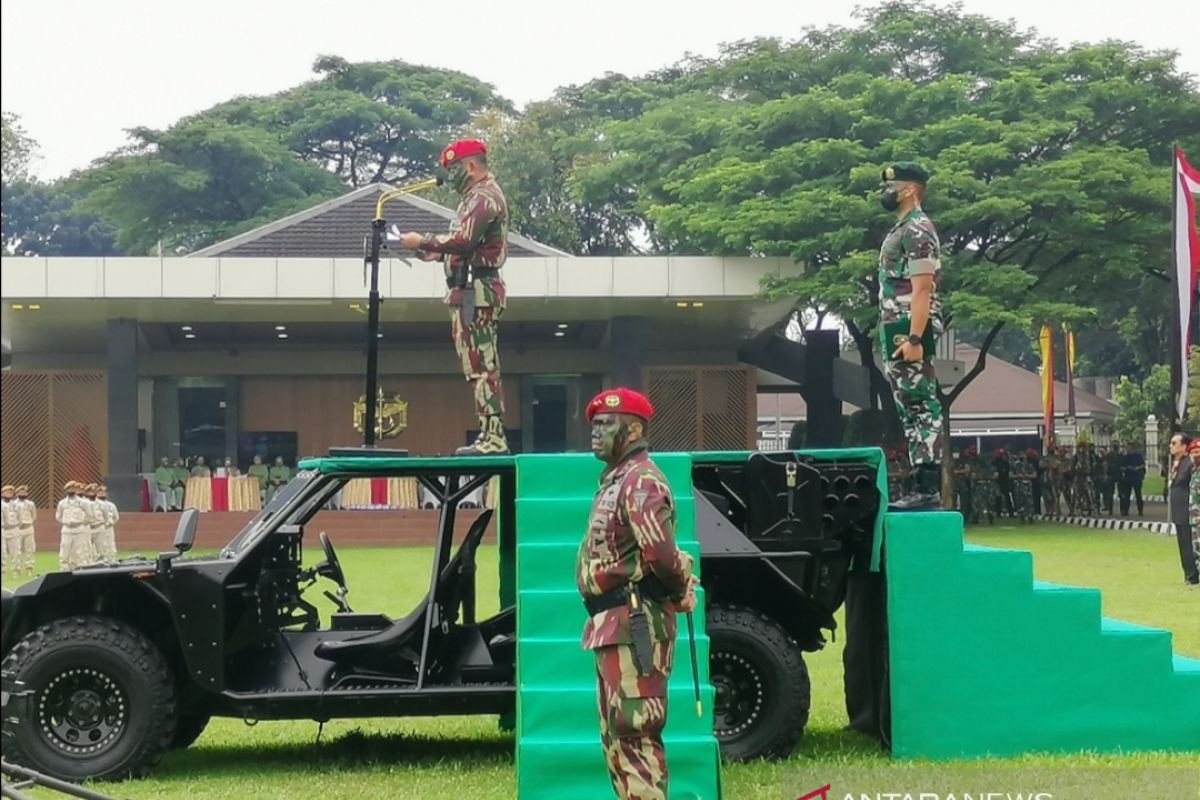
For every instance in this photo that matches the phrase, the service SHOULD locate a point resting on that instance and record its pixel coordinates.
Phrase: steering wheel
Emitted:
(332, 568)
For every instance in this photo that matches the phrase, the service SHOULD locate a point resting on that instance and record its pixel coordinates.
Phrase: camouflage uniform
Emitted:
(472, 255)
(26, 516)
(1022, 488)
(1051, 484)
(631, 536)
(1083, 466)
(1066, 479)
(985, 494)
(912, 248)
(962, 484)
(1108, 480)
(75, 549)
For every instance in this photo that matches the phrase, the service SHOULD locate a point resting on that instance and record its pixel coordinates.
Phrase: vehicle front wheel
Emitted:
(98, 702)
(761, 681)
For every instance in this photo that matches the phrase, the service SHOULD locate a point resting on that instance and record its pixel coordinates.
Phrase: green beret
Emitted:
(906, 171)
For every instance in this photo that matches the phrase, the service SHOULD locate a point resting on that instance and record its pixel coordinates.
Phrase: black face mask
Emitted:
(890, 199)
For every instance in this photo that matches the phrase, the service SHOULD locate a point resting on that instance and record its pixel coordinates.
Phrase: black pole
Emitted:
(377, 229)
(1175, 342)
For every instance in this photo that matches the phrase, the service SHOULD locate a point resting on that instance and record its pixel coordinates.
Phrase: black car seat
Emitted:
(401, 641)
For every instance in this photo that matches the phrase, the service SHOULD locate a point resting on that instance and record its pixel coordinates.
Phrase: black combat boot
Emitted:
(926, 491)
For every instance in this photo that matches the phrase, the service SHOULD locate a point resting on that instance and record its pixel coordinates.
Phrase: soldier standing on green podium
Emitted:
(259, 470)
(278, 476)
(633, 579)
(910, 316)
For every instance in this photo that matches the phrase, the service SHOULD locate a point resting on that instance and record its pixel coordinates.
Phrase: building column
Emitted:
(123, 481)
(625, 336)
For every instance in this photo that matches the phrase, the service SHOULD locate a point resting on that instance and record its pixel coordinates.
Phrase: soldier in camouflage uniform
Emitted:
(1022, 488)
(1050, 485)
(75, 548)
(1083, 465)
(910, 322)
(985, 494)
(962, 481)
(1066, 480)
(472, 255)
(632, 579)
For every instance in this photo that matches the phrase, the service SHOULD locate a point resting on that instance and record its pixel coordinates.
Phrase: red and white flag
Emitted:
(1186, 248)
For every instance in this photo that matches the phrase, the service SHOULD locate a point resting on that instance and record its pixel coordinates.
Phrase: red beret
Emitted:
(457, 151)
(998, 452)
(1194, 446)
(620, 401)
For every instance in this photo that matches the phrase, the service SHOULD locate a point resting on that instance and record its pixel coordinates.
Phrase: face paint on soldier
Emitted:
(608, 437)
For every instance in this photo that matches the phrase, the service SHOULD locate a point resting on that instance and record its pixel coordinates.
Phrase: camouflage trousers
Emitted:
(633, 713)
(1085, 502)
(104, 544)
(1050, 497)
(475, 342)
(1022, 495)
(984, 495)
(75, 549)
(915, 388)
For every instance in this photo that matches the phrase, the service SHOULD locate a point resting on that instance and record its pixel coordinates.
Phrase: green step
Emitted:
(574, 769)
(986, 661)
(561, 663)
(558, 740)
(563, 712)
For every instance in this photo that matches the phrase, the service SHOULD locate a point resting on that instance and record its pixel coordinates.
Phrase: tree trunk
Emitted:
(948, 498)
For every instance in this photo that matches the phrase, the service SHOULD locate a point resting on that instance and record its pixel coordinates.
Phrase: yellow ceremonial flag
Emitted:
(1047, 340)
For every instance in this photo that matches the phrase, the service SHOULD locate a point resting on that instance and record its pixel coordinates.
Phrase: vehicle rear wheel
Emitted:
(100, 700)
(762, 687)
(188, 730)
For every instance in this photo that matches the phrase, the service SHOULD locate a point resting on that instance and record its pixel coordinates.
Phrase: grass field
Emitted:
(468, 757)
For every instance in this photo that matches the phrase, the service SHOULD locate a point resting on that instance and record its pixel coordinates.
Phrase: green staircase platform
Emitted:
(987, 661)
(558, 735)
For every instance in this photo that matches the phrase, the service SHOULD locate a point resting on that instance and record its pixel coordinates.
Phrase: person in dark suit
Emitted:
(1178, 482)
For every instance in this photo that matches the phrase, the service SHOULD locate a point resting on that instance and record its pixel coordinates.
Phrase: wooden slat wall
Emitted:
(54, 428)
(321, 410)
(702, 408)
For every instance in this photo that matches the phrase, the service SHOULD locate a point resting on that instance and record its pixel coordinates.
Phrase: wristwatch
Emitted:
(915, 339)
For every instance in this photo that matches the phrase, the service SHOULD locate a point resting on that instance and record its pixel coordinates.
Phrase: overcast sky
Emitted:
(79, 72)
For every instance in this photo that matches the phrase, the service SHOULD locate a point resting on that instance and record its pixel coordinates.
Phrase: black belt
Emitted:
(649, 588)
(485, 272)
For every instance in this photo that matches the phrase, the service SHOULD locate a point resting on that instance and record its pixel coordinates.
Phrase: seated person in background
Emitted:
(164, 477)
(279, 476)
(201, 470)
(259, 470)
(230, 469)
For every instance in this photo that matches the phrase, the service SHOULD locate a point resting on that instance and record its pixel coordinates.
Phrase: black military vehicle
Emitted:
(109, 666)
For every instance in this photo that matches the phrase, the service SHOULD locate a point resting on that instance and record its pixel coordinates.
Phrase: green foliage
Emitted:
(1139, 400)
(198, 182)
(40, 219)
(17, 149)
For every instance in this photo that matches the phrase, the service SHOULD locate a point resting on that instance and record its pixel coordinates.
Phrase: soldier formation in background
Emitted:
(1060, 483)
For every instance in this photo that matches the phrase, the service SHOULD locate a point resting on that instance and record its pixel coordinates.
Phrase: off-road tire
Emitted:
(763, 689)
(188, 729)
(101, 703)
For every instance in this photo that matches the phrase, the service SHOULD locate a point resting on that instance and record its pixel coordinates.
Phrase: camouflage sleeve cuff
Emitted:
(924, 266)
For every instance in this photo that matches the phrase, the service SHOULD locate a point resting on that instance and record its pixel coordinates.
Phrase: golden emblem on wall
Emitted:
(391, 415)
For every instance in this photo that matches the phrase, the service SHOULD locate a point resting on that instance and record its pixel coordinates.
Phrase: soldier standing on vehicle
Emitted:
(633, 579)
(75, 548)
(472, 254)
(106, 544)
(26, 516)
(8, 530)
